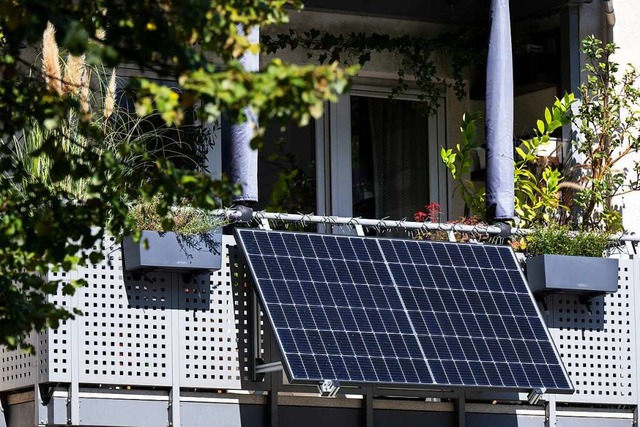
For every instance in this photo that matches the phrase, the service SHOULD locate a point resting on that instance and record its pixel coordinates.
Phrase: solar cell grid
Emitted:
(390, 311)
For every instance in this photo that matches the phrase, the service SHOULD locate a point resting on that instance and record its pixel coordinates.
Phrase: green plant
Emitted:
(607, 121)
(183, 219)
(557, 239)
(536, 183)
(197, 44)
(459, 161)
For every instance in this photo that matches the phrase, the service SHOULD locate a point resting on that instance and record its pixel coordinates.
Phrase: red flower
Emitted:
(419, 216)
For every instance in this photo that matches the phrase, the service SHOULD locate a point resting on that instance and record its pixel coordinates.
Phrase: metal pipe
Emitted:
(239, 159)
(500, 186)
(236, 216)
(609, 12)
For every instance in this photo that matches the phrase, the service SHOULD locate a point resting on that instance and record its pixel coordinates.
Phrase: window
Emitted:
(379, 157)
(368, 156)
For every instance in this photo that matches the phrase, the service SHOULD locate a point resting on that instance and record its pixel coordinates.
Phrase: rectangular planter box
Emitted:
(572, 274)
(169, 251)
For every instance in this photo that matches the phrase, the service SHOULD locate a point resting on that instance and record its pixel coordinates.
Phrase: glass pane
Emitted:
(390, 158)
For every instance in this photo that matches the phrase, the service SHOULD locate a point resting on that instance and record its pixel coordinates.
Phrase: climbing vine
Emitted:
(461, 50)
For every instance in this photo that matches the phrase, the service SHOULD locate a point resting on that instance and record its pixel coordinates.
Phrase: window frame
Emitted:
(333, 152)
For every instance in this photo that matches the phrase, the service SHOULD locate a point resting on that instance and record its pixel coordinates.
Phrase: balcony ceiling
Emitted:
(455, 12)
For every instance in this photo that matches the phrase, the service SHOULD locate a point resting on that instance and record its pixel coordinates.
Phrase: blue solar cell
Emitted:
(438, 276)
(375, 320)
(312, 370)
(349, 320)
(456, 256)
(453, 280)
(368, 371)
(390, 254)
(429, 254)
(360, 271)
(457, 322)
(359, 248)
(465, 373)
(402, 312)
(468, 256)
(443, 257)
(348, 252)
(451, 369)
(492, 374)
(353, 367)
(319, 248)
(439, 374)
(400, 248)
(415, 255)
(481, 256)
(478, 372)
(468, 348)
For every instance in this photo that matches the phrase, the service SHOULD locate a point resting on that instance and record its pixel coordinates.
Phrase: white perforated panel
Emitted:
(125, 334)
(54, 349)
(17, 368)
(50, 361)
(598, 343)
(208, 344)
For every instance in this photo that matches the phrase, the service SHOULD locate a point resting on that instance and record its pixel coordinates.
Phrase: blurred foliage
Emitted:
(47, 227)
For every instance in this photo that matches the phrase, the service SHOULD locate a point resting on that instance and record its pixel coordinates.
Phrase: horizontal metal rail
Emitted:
(260, 216)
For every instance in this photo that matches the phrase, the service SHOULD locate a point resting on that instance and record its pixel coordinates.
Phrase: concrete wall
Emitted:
(626, 34)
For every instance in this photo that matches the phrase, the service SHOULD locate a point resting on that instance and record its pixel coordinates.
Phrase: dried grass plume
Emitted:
(50, 60)
(110, 96)
(73, 74)
(84, 90)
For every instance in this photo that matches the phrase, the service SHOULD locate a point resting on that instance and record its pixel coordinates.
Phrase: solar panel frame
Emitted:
(363, 256)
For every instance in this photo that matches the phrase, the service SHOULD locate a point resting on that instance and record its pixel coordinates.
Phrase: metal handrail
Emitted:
(236, 214)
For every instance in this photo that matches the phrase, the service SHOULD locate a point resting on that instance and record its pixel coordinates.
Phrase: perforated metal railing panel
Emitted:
(54, 345)
(598, 343)
(208, 324)
(213, 334)
(17, 368)
(148, 330)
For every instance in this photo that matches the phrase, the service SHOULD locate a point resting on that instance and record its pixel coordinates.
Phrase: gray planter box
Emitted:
(572, 274)
(169, 251)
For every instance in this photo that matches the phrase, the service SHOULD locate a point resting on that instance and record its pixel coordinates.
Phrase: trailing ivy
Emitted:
(463, 50)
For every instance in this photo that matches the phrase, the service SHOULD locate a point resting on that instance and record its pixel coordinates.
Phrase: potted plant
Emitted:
(562, 260)
(185, 240)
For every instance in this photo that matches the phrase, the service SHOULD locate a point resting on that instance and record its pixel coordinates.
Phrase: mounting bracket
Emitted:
(328, 388)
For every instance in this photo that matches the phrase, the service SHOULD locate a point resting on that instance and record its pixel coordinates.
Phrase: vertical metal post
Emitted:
(256, 341)
(460, 407)
(73, 401)
(273, 399)
(3, 418)
(550, 415)
(367, 404)
(569, 62)
(41, 413)
(174, 396)
(499, 121)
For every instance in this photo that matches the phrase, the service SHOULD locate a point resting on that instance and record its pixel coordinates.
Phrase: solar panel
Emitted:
(402, 312)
